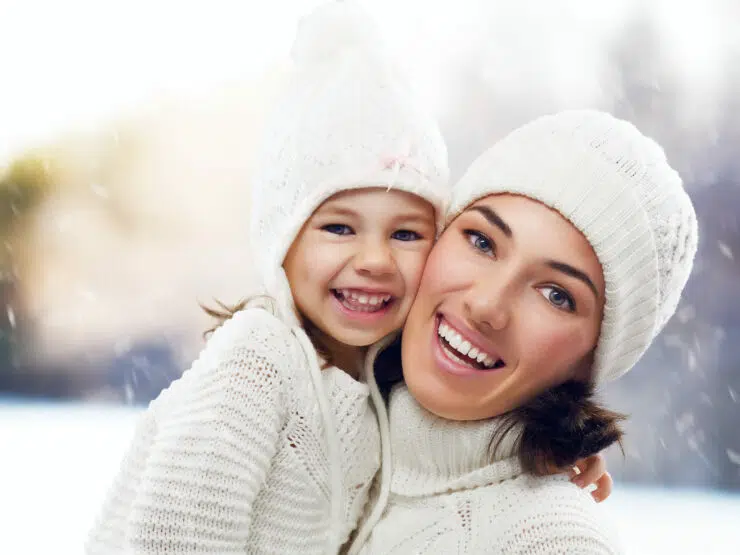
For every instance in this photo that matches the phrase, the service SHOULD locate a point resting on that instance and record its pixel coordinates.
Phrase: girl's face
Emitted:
(355, 267)
(510, 304)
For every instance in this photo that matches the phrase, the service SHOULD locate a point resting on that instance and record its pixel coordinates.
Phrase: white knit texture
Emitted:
(616, 186)
(447, 497)
(347, 120)
(232, 458)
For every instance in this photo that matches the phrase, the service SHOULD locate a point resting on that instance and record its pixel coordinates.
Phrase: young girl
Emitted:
(569, 245)
(269, 442)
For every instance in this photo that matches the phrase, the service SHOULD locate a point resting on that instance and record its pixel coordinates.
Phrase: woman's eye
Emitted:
(558, 298)
(338, 229)
(406, 235)
(479, 241)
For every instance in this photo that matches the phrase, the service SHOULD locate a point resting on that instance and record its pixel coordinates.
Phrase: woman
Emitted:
(569, 245)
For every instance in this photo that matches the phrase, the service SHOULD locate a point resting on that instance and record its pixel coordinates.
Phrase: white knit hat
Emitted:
(347, 121)
(615, 186)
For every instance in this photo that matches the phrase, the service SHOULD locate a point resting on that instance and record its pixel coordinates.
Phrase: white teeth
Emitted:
(451, 354)
(362, 302)
(463, 346)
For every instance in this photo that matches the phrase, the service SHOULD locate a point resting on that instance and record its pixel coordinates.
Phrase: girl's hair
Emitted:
(558, 427)
(223, 312)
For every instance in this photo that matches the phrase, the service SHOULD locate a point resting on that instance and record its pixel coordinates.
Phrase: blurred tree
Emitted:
(22, 186)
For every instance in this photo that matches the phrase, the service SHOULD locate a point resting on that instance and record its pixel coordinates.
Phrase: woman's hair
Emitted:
(558, 427)
(223, 312)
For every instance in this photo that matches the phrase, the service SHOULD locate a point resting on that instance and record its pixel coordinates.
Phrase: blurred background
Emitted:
(127, 133)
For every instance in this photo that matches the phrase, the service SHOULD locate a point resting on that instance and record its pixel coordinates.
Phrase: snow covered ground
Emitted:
(57, 460)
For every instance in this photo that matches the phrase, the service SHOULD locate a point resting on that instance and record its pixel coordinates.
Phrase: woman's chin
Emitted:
(440, 400)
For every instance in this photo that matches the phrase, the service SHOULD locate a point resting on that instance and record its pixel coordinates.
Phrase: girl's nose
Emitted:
(374, 258)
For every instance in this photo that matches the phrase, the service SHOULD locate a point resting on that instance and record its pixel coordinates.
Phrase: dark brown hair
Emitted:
(558, 427)
(224, 312)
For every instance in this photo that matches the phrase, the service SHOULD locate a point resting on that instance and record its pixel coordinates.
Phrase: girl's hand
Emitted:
(592, 470)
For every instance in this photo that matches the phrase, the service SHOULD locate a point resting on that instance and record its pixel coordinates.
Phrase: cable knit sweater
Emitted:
(232, 458)
(447, 497)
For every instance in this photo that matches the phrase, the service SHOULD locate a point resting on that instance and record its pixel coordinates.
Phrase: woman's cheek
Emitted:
(556, 349)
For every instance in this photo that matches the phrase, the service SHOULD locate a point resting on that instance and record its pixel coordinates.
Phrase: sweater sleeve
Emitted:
(189, 482)
(557, 518)
(107, 535)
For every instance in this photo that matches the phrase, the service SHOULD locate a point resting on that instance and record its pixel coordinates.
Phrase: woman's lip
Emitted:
(473, 337)
(446, 364)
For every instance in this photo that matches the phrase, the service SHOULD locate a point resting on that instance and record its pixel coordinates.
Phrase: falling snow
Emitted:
(11, 316)
(725, 250)
(99, 190)
(686, 314)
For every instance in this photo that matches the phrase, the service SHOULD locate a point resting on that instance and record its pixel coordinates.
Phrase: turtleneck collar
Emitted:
(432, 455)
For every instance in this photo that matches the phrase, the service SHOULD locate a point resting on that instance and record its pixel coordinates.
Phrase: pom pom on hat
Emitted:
(334, 30)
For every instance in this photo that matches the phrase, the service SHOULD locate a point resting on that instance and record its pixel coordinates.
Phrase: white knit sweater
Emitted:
(447, 497)
(232, 458)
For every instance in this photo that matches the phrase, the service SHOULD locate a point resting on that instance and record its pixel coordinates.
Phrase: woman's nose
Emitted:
(488, 304)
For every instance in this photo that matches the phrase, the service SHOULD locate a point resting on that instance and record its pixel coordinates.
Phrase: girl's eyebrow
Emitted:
(337, 210)
(573, 272)
(494, 219)
(414, 218)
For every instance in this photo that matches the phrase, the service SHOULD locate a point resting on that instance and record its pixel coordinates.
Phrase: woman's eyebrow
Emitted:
(494, 219)
(573, 272)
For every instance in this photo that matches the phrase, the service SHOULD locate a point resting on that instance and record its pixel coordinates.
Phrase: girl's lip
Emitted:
(358, 316)
(365, 290)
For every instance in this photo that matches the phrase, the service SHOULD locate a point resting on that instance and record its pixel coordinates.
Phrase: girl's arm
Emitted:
(107, 536)
(215, 438)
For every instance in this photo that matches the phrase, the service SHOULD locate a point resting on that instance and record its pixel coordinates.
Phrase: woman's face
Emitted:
(509, 305)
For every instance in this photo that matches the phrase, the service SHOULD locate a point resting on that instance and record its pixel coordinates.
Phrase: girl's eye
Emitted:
(558, 298)
(406, 235)
(338, 229)
(480, 242)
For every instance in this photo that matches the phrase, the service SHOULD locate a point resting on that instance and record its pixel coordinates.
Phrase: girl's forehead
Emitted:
(384, 199)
